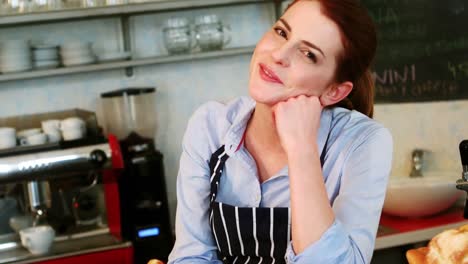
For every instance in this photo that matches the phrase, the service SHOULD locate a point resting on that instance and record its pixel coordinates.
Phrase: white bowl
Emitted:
(421, 196)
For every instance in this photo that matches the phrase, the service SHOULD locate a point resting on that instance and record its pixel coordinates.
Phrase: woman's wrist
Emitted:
(302, 151)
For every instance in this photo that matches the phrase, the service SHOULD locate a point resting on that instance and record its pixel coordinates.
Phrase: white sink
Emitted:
(422, 196)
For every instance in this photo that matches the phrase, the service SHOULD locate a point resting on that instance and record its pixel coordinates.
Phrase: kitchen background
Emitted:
(183, 86)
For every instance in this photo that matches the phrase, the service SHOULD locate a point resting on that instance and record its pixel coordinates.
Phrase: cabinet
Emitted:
(114, 256)
(123, 13)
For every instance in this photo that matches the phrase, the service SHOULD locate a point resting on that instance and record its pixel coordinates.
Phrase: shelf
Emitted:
(417, 236)
(123, 64)
(116, 10)
(403, 231)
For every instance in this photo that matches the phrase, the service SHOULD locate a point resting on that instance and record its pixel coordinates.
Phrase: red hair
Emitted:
(359, 38)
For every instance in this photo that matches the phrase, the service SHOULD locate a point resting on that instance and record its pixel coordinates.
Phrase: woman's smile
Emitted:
(268, 75)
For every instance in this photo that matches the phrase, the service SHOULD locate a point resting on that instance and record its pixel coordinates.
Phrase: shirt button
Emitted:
(258, 198)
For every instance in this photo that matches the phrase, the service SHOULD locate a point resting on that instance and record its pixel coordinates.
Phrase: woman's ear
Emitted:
(336, 93)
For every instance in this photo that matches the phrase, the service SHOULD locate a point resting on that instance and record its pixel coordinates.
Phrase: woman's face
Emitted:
(296, 57)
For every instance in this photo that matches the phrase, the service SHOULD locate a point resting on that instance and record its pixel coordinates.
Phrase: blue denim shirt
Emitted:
(356, 170)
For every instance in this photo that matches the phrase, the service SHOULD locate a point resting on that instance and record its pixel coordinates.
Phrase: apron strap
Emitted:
(324, 150)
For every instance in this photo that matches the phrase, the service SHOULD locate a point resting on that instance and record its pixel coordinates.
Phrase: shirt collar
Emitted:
(234, 136)
(241, 114)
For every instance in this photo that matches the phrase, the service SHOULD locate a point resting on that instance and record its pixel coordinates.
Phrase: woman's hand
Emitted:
(297, 122)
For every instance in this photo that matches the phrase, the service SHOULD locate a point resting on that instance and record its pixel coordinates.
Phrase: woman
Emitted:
(297, 172)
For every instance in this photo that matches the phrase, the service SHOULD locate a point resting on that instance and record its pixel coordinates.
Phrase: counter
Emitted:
(397, 231)
(77, 249)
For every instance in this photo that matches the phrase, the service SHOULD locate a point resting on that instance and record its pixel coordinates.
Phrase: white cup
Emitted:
(7, 137)
(72, 133)
(51, 124)
(53, 135)
(37, 239)
(36, 139)
(28, 132)
(73, 123)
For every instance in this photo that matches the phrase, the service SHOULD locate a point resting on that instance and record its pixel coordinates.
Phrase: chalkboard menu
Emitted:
(422, 50)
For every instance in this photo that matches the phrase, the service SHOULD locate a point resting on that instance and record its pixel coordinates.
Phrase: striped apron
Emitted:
(251, 235)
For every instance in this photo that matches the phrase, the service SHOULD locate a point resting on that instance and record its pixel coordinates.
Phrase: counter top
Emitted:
(396, 231)
(64, 248)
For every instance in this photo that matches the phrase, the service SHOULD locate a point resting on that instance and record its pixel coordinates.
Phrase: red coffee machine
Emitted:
(129, 114)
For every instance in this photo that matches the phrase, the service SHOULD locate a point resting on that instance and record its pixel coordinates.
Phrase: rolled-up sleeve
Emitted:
(194, 241)
(357, 207)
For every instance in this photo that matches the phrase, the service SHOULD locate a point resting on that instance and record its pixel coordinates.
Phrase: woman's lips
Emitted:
(268, 75)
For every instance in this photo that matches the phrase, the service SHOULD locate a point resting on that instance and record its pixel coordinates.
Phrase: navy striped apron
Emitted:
(248, 234)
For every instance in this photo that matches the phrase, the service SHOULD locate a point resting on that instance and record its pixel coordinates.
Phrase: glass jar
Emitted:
(211, 34)
(177, 36)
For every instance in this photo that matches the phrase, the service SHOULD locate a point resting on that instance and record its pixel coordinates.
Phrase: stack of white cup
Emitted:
(73, 128)
(51, 128)
(7, 137)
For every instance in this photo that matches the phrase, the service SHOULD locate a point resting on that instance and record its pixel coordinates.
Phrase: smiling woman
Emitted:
(297, 171)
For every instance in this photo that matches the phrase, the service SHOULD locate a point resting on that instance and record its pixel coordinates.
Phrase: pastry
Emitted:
(448, 247)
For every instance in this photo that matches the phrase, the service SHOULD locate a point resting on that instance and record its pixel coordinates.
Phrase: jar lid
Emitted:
(176, 22)
(206, 19)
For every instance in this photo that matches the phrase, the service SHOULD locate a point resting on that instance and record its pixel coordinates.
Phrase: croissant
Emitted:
(448, 247)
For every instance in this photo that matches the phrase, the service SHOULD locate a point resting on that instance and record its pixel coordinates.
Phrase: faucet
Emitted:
(417, 162)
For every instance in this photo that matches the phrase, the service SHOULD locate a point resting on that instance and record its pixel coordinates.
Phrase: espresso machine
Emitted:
(128, 113)
(462, 183)
(68, 185)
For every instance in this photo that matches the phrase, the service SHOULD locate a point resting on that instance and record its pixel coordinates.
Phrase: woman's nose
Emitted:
(281, 55)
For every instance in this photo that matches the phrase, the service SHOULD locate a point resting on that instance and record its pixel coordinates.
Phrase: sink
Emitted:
(422, 196)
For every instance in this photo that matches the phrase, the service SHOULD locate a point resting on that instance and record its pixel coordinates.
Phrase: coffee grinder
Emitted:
(129, 114)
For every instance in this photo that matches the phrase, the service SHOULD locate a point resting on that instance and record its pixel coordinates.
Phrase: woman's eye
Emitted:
(311, 56)
(281, 32)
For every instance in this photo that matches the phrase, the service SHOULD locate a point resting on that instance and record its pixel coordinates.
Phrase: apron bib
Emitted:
(248, 234)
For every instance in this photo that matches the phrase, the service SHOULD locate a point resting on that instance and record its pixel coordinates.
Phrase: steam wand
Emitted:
(40, 214)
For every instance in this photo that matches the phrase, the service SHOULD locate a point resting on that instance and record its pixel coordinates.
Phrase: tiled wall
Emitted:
(183, 86)
(437, 127)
